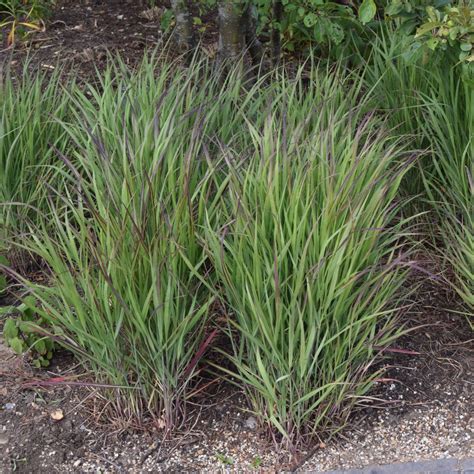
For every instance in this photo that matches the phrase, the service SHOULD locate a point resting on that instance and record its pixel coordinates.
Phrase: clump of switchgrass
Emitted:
(118, 236)
(307, 247)
(179, 186)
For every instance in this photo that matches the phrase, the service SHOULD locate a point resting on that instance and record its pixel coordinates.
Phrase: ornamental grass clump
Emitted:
(179, 187)
(123, 288)
(433, 103)
(307, 245)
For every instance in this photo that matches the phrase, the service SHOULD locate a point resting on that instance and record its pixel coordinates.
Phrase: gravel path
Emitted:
(425, 433)
(439, 466)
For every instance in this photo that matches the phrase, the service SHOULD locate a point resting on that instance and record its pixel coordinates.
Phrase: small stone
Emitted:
(250, 423)
(9, 406)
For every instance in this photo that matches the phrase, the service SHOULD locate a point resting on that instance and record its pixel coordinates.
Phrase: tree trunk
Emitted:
(184, 25)
(276, 34)
(238, 31)
(232, 29)
(253, 43)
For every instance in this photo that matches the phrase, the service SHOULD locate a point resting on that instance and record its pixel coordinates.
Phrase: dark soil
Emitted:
(81, 33)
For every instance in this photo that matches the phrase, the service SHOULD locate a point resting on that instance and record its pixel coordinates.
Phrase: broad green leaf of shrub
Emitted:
(25, 327)
(310, 20)
(394, 8)
(167, 20)
(21, 334)
(367, 11)
(10, 330)
(16, 344)
(40, 347)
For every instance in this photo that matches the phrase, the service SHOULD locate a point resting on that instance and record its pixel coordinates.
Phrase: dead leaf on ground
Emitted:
(57, 415)
(160, 423)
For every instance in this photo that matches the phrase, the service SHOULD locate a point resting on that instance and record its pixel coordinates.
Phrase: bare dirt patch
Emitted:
(81, 33)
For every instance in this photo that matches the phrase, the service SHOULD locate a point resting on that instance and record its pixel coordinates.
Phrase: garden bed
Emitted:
(56, 420)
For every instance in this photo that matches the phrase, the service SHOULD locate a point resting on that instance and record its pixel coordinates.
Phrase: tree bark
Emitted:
(251, 38)
(276, 34)
(232, 29)
(238, 31)
(186, 38)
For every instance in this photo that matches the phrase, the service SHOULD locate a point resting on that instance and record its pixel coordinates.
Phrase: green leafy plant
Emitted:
(318, 23)
(167, 20)
(451, 27)
(367, 11)
(27, 332)
(407, 15)
(256, 462)
(227, 461)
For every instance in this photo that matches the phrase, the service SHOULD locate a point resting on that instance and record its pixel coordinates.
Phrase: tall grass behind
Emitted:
(31, 109)
(431, 102)
(307, 245)
(397, 81)
(449, 125)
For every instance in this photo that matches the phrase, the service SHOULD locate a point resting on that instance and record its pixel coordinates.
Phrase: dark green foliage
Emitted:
(27, 332)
